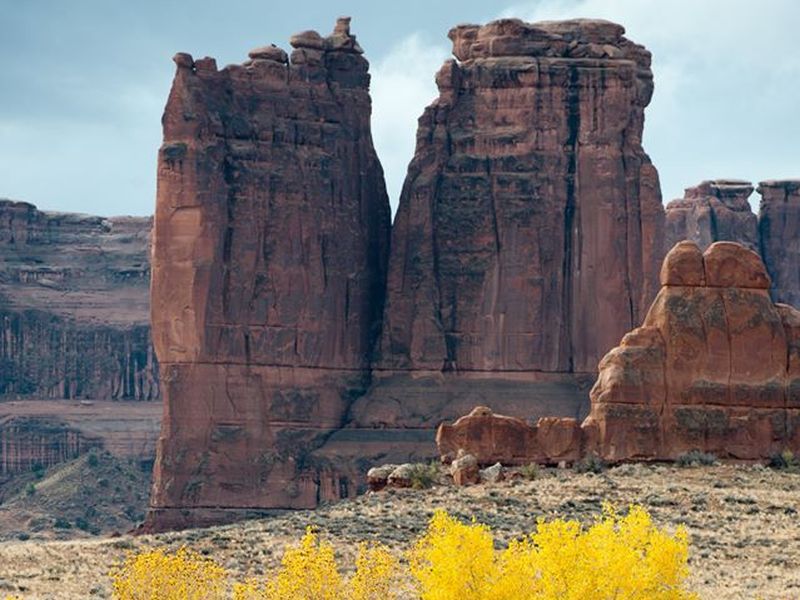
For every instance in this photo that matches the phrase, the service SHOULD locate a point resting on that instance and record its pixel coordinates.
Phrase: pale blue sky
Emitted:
(83, 82)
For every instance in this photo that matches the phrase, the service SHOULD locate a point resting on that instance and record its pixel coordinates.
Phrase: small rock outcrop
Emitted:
(270, 250)
(779, 229)
(713, 211)
(714, 367)
(465, 469)
(492, 438)
(74, 318)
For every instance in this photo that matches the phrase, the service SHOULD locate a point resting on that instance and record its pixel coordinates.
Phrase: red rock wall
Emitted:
(530, 208)
(529, 228)
(712, 368)
(270, 249)
(779, 229)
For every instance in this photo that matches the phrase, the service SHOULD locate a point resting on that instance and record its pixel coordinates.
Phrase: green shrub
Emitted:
(786, 460)
(93, 460)
(529, 471)
(590, 464)
(423, 476)
(696, 458)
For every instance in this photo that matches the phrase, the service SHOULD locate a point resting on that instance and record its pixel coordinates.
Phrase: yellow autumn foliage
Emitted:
(308, 572)
(376, 574)
(615, 557)
(156, 575)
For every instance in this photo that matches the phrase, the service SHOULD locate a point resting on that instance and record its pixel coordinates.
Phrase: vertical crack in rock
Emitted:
(570, 239)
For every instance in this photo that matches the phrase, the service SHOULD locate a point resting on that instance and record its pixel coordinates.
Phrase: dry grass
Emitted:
(744, 522)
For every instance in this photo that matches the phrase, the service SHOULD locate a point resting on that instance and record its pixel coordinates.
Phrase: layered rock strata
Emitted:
(713, 211)
(270, 249)
(44, 433)
(74, 319)
(714, 366)
(528, 235)
(779, 231)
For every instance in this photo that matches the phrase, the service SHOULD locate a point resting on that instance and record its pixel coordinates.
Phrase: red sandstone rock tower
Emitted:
(530, 225)
(269, 259)
(779, 229)
(713, 211)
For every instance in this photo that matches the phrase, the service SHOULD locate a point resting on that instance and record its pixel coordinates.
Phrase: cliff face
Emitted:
(270, 250)
(74, 306)
(713, 211)
(714, 366)
(779, 229)
(529, 229)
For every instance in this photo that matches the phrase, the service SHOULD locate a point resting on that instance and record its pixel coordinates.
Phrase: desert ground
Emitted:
(744, 521)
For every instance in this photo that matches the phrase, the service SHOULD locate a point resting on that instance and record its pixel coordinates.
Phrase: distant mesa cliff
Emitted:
(74, 319)
(713, 211)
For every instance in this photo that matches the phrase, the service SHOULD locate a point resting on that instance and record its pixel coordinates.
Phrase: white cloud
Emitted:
(402, 86)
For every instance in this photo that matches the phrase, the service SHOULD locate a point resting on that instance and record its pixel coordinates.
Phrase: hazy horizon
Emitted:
(85, 84)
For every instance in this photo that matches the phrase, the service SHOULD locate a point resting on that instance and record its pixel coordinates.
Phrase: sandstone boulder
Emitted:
(493, 438)
(492, 474)
(465, 470)
(712, 368)
(271, 52)
(378, 477)
(401, 476)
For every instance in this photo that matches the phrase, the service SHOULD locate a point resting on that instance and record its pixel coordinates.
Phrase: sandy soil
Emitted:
(744, 522)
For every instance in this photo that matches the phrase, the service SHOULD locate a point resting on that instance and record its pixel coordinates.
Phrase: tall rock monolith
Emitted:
(529, 230)
(270, 251)
(713, 211)
(779, 229)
